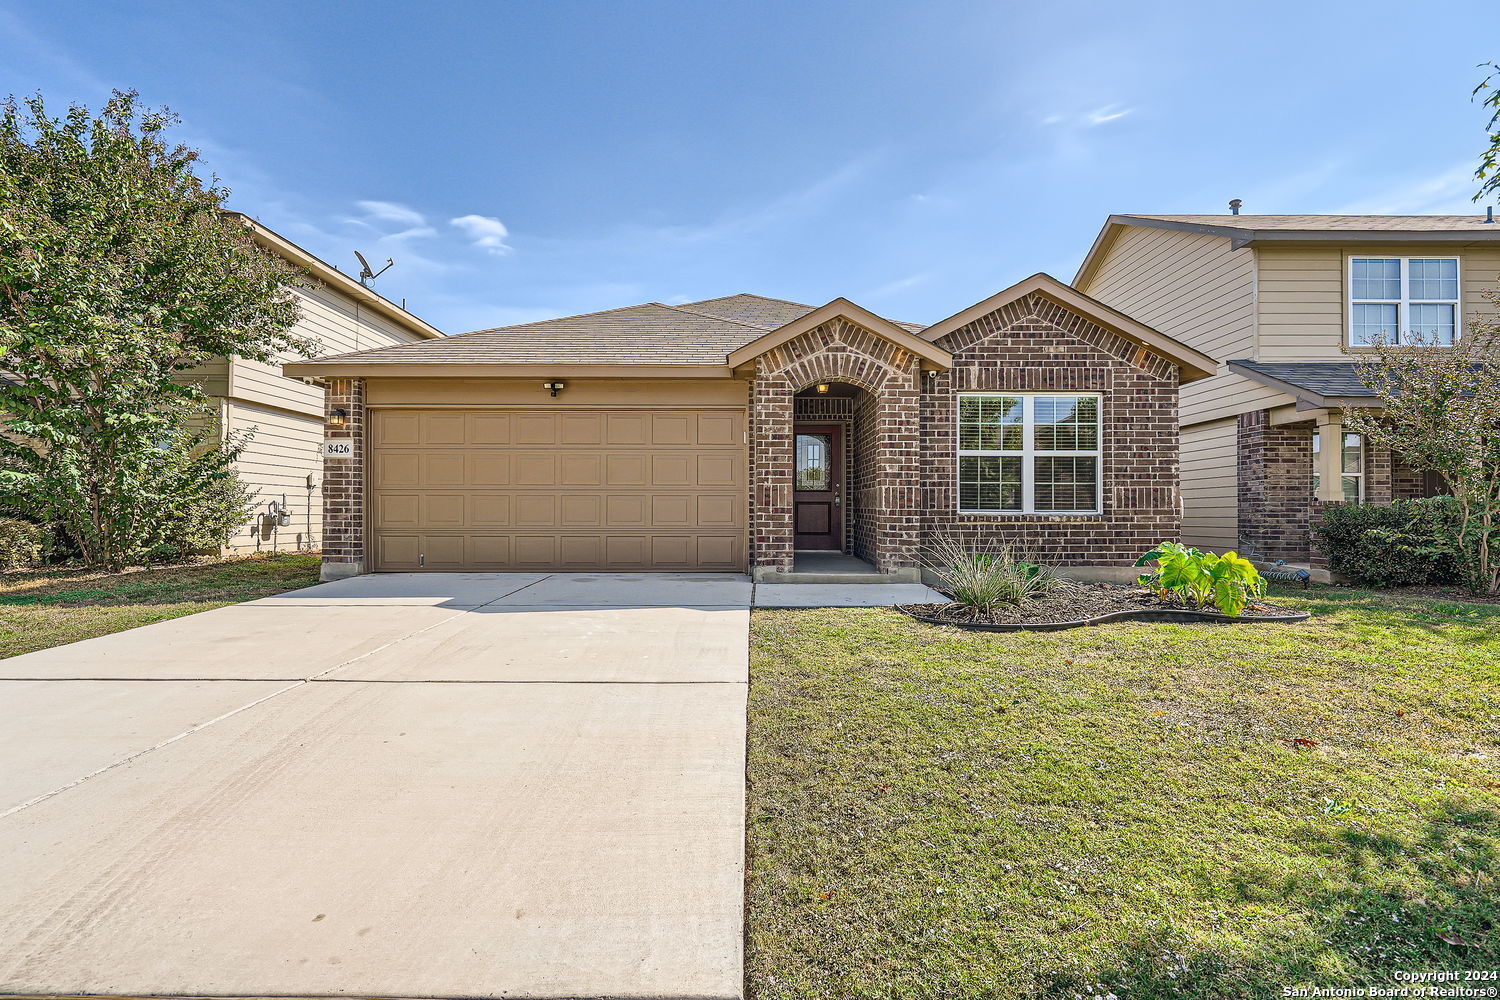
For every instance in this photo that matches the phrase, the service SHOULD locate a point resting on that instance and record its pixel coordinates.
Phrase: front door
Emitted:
(818, 487)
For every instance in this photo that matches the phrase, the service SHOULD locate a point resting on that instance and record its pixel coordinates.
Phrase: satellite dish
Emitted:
(365, 274)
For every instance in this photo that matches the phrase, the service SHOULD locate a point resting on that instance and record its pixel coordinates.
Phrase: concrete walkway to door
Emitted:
(475, 785)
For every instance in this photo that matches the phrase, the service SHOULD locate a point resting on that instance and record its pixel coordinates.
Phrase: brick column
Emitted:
(771, 537)
(898, 442)
(344, 482)
(1276, 505)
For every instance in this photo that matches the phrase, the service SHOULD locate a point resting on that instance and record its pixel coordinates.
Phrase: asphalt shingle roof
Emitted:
(1323, 378)
(1352, 223)
(693, 333)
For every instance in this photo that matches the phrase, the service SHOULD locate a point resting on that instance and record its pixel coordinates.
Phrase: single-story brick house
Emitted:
(738, 433)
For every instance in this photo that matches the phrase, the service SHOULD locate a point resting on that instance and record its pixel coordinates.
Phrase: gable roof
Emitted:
(897, 334)
(1193, 363)
(1244, 230)
(697, 334)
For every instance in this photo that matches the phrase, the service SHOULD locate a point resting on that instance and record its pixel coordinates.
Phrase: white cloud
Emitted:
(484, 231)
(390, 211)
(1088, 119)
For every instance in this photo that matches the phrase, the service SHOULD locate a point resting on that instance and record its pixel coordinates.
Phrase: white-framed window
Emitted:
(1029, 453)
(1404, 300)
(1351, 464)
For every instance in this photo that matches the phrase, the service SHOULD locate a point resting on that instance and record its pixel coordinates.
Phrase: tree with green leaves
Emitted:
(1441, 411)
(120, 274)
(1488, 95)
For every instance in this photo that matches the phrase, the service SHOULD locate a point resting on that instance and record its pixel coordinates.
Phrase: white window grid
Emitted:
(1405, 302)
(1028, 452)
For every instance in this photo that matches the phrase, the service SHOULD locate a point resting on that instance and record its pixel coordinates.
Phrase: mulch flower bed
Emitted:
(1080, 603)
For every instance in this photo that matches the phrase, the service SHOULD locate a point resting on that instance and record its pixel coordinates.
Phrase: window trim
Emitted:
(1027, 453)
(1405, 302)
(1358, 477)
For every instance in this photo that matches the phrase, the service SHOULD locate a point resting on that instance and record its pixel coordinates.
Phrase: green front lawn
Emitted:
(1149, 810)
(52, 607)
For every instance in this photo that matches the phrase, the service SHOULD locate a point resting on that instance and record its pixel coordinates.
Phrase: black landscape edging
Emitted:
(1151, 615)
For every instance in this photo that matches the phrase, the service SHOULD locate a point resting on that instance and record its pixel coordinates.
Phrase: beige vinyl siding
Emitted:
(1304, 294)
(1192, 287)
(286, 448)
(212, 375)
(339, 325)
(1210, 503)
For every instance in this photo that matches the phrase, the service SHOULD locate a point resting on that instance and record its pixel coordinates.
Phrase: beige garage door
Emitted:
(558, 490)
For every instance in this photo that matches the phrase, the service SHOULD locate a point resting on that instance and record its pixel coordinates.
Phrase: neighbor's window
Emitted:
(1351, 462)
(1023, 454)
(1403, 300)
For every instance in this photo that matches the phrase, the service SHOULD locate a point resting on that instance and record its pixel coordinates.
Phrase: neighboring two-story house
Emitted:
(283, 462)
(1283, 302)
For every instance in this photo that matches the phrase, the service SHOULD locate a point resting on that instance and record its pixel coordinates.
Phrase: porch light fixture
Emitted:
(554, 387)
(338, 418)
(822, 388)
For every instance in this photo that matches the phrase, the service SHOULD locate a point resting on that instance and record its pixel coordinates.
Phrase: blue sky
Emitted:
(521, 160)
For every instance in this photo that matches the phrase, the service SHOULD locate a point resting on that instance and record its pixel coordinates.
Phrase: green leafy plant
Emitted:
(121, 279)
(21, 543)
(1395, 544)
(984, 580)
(1201, 580)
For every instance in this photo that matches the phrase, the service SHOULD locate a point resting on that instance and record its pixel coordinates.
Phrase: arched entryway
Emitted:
(834, 482)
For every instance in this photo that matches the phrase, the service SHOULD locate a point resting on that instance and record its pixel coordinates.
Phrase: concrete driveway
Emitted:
(475, 785)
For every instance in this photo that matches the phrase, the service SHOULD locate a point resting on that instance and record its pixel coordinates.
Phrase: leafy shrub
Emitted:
(206, 521)
(1395, 544)
(1201, 579)
(21, 543)
(986, 579)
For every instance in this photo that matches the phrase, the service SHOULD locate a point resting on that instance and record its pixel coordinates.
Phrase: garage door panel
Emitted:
(488, 468)
(489, 428)
(398, 551)
(395, 429)
(398, 468)
(444, 510)
(718, 430)
(582, 510)
(398, 510)
(443, 468)
(489, 510)
(626, 510)
(576, 490)
(535, 510)
(533, 469)
(581, 470)
(444, 428)
(671, 470)
(534, 428)
(581, 429)
(625, 429)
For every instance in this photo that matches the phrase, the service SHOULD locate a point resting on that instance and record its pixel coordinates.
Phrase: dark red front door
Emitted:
(818, 486)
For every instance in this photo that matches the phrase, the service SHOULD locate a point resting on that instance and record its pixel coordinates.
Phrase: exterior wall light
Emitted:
(338, 418)
(822, 388)
(554, 387)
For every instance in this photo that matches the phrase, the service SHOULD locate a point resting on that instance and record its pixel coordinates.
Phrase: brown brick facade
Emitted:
(901, 445)
(344, 482)
(886, 516)
(1278, 512)
(1035, 345)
